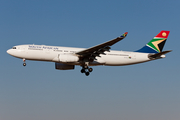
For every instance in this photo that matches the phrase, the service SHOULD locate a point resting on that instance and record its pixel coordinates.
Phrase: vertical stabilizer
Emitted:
(156, 44)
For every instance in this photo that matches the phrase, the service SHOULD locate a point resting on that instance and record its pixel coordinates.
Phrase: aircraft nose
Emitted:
(9, 51)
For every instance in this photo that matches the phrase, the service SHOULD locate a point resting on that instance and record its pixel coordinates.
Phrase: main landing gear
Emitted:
(24, 60)
(86, 70)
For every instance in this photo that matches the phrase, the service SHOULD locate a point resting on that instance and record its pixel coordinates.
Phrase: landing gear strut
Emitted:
(24, 60)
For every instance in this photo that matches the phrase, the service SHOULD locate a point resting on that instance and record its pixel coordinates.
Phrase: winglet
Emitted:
(124, 35)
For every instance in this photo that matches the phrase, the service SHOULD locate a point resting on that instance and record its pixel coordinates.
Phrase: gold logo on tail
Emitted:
(164, 34)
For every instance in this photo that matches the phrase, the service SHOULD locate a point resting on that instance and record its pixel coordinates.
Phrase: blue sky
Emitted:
(145, 91)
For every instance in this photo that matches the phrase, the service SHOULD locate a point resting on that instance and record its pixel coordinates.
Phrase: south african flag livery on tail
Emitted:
(156, 44)
(124, 35)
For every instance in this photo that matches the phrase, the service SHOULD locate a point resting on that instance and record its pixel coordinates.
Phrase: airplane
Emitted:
(66, 58)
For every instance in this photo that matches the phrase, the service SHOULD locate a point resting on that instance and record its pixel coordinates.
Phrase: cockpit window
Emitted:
(14, 48)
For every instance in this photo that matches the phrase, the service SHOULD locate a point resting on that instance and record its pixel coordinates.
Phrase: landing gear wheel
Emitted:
(87, 73)
(24, 64)
(85, 69)
(82, 70)
(90, 69)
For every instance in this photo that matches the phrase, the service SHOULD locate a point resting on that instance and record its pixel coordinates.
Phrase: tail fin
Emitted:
(156, 44)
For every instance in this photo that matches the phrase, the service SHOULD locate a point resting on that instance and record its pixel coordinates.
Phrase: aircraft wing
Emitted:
(101, 48)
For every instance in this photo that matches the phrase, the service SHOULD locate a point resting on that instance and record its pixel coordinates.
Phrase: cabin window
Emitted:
(14, 48)
(72, 51)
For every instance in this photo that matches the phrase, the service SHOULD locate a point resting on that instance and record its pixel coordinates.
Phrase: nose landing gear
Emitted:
(24, 60)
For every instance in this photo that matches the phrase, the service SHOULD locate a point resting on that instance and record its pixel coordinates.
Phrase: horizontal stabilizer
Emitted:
(157, 55)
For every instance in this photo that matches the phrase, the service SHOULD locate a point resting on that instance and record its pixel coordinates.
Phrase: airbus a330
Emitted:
(66, 58)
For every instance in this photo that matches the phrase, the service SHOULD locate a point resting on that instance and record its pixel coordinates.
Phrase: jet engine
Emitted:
(61, 66)
(68, 58)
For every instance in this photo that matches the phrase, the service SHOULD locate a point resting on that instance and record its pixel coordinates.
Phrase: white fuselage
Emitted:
(53, 53)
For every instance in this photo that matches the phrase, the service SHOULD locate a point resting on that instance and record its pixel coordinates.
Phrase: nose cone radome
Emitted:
(9, 52)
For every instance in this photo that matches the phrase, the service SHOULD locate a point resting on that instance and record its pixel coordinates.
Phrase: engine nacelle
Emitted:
(61, 66)
(68, 58)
